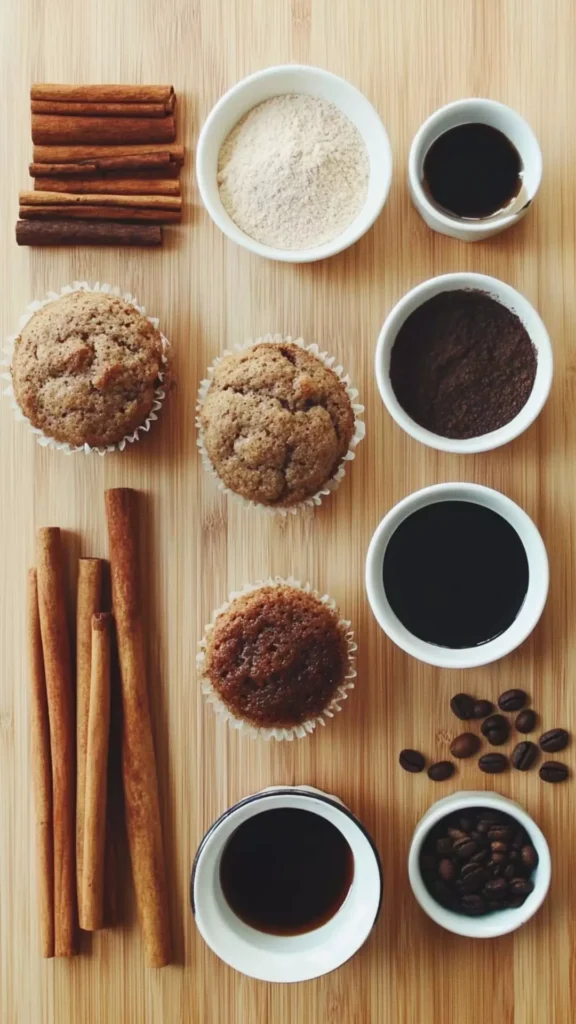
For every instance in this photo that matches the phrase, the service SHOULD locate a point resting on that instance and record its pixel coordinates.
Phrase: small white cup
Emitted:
(481, 111)
(507, 296)
(502, 921)
(538, 577)
(296, 957)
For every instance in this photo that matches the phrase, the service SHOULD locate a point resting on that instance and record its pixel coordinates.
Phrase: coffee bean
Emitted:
(482, 709)
(473, 905)
(515, 901)
(441, 771)
(529, 857)
(493, 764)
(512, 700)
(496, 730)
(519, 840)
(524, 755)
(525, 721)
(495, 889)
(553, 771)
(457, 833)
(474, 880)
(497, 847)
(468, 868)
(462, 706)
(479, 857)
(514, 857)
(554, 740)
(498, 857)
(444, 846)
(521, 886)
(465, 745)
(446, 870)
(501, 833)
(510, 871)
(411, 760)
(465, 848)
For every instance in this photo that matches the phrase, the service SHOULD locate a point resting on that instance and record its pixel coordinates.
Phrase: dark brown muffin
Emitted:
(276, 423)
(85, 369)
(276, 657)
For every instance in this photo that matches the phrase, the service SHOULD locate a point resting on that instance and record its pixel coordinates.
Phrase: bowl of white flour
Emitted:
(294, 164)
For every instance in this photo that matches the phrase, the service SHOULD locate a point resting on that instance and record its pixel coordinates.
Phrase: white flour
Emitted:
(293, 173)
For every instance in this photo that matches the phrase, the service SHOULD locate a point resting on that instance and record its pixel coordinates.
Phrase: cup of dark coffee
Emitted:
(286, 885)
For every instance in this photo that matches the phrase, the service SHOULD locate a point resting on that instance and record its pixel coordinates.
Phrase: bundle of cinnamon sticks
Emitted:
(105, 166)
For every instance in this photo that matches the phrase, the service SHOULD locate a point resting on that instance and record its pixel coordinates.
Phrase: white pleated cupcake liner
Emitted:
(304, 728)
(359, 426)
(8, 353)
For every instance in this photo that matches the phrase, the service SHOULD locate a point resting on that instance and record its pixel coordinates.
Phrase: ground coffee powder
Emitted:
(462, 364)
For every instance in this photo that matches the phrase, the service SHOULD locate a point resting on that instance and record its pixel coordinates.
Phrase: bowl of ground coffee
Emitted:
(464, 363)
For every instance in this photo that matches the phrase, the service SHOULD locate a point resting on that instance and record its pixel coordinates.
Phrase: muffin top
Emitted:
(276, 656)
(276, 423)
(85, 369)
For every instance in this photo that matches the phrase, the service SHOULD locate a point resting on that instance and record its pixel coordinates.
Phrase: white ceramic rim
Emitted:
(470, 109)
(538, 578)
(507, 296)
(503, 921)
(327, 83)
(286, 958)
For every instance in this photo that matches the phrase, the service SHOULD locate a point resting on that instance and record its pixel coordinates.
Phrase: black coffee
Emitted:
(455, 574)
(472, 171)
(286, 871)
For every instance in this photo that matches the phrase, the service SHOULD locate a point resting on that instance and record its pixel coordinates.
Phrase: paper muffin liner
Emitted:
(358, 434)
(304, 728)
(8, 353)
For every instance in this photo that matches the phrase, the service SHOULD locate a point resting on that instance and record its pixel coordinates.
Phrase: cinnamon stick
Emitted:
(57, 666)
(86, 232)
(98, 199)
(88, 602)
(115, 187)
(138, 759)
(129, 214)
(102, 93)
(41, 772)
(92, 903)
(76, 154)
(61, 128)
(147, 163)
(102, 109)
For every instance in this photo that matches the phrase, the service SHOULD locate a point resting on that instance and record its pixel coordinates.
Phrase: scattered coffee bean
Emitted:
(463, 706)
(512, 700)
(554, 740)
(465, 848)
(529, 857)
(553, 771)
(496, 729)
(465, 745)
(441, 771)
(495, 889)
(493, 764)
(412, 760)
(524, 755)
(446, 870)
(482, 709)
(525, 721)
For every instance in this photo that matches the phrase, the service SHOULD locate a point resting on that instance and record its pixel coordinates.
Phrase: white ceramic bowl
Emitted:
(503, 921)
(508, 297)
(275, 81)
(518, 132)
(294, 957)
(530, 612)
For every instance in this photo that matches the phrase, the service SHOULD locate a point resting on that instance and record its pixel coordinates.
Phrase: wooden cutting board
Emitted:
(408, 56)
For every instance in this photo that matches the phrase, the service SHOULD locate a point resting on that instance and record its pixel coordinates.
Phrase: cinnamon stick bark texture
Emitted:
(134, 214)
(42, 772)
(98, 199)
(60, 128)
(75, 154)
(138, 760)
(86, 232)
(57, 667)
(114, 186)
(151, 162)
(102, 109)
(92, 903)
(102, 93)
(88, 602)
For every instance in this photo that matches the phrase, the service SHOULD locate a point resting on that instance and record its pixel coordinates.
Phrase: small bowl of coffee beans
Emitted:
(479, 865)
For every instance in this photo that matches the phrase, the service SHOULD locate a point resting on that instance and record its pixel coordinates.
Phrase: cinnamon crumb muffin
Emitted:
(86, 367)
(277, 657)
(276, 423)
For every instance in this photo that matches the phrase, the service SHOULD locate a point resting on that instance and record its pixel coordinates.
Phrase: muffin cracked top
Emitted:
(85, 369)
(276, 422)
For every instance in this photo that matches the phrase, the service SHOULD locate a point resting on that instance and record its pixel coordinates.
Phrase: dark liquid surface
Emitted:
(286, 871)
(472, 171)
(455, 574)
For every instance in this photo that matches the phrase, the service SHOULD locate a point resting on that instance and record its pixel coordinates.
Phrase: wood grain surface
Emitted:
(408, 56)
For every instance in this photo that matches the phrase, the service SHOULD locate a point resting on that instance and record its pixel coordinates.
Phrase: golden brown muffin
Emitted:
(85, 369)
(276, 423)
(277, 656)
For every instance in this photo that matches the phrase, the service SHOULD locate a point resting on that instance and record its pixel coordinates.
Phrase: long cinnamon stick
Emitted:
(145, 163)
(57, 666)
(60, 128)
(138, 759)
(98, 199)
(86, 232)
(88, 602)
(102, 93)
(115, 187)
(92, 903)
(102, 109)
(75, 154)
(41, 771)
(129, 214)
